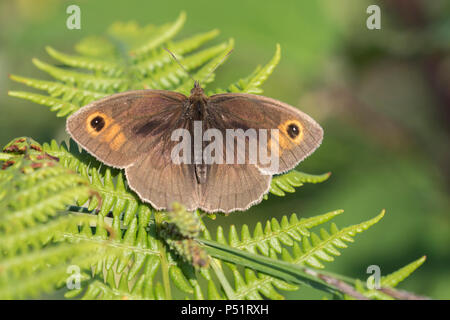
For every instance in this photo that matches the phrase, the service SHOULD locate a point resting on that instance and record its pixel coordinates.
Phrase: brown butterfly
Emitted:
(133, 130)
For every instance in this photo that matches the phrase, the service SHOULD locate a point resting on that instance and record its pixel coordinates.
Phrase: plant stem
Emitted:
(223, 280)
(164, 262)
(275, 268)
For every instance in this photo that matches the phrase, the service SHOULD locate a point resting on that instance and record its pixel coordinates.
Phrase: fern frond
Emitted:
(127, 254)
(204, 71)
(393, 279)
(36, 190)
(294, 179)
(25, 239)
(253, 286)
(255, 82)
(160, 36)
(65, 92)
(117, 285)
(179, 48)
(252, 83)
(172, 76)
(321, 249)
(63, 107)
(387, 283)
(50, 272)
(275, 233)
(84, 80)
(317, 248)
(110, 184)
(144, 65)
(108, 67)
(40, 188)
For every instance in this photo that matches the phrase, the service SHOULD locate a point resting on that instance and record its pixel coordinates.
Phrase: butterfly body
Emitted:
(134, 130)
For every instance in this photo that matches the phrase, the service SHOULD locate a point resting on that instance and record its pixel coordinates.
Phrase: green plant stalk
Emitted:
(223, 280)
(164, 262)
(275, 268)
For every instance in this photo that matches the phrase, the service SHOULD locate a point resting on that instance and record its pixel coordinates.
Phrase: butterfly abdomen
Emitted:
(200, 173)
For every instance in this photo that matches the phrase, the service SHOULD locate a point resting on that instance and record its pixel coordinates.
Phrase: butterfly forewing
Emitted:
(115, 129)
(298, 134)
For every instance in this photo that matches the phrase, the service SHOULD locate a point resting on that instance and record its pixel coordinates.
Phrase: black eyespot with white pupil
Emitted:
(98, 123)
(293, 130)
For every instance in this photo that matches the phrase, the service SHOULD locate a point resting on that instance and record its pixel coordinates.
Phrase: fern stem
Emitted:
(275, 268)
(164, 262)
(223, 280)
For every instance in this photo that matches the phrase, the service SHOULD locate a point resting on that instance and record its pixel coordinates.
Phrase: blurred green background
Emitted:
(382, 97)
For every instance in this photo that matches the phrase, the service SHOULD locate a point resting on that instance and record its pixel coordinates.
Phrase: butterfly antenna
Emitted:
(179, 63)
(217, 65)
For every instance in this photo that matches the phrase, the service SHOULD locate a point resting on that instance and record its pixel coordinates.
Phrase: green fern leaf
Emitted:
(398, 276)
(316, 248)
(160, 36)
(274, 234)
(390, 281)
(287, 182)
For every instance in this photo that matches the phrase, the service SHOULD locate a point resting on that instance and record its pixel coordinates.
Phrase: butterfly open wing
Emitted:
(132, 130)
(160, 181)
(232, 187)
(121, 128)
(298, 134)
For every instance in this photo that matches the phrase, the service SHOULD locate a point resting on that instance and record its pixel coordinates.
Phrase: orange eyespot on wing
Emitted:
(292, 134)
(97, 122)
